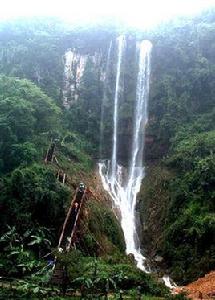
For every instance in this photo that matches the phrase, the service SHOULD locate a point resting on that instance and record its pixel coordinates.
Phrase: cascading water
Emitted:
(123, 192)
(136, 171)
(121, 45)
(104, 99)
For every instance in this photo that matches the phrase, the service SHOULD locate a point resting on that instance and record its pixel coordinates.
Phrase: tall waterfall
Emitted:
(121, 45)
(104, 99)
(123, 185)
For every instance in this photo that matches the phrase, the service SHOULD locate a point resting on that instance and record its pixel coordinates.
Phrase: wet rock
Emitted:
(158, 258)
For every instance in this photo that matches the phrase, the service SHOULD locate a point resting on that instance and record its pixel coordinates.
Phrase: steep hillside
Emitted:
(177, 197)
(46, 100)
(34, 201)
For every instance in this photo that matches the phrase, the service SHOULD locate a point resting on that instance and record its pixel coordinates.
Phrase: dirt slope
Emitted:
(203, 288)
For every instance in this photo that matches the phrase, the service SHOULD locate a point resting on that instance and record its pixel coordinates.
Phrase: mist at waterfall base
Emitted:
(120, 182)
(123, 190)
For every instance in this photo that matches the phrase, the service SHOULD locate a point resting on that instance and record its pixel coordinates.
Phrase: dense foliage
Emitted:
(182, 129)
(84, 115)
(27, 116)
(108, 274)
(104, 233)
(32, 49)
(28, 120)
(32, 201)
(179, 195)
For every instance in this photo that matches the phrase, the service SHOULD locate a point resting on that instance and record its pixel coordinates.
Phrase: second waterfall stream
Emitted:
(123, 183)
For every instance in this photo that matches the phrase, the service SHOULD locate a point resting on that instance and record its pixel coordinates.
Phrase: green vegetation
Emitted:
(27, 118)
(182, 129)
(192, 194)
(84, 115)
(177, 198)
(21, 40)
(32, 201)
(108, 274)
(103, 225)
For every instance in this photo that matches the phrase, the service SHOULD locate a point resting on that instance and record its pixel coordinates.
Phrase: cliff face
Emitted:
(74, 68)
(89, 86)
(74, 65)
(176, 201)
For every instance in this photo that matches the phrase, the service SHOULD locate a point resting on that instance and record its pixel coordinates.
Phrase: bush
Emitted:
(103, 222)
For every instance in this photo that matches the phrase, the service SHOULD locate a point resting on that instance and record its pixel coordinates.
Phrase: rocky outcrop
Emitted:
(74, 68)
(74, 65)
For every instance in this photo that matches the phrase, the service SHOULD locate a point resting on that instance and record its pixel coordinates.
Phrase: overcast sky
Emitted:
(140, 13)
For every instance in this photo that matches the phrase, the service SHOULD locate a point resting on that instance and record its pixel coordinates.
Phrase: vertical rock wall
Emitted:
(74, 67)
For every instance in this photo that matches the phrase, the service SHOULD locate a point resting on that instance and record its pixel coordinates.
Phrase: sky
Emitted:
(136, 13)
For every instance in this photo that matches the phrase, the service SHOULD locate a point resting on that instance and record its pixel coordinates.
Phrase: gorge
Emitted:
(141, 104)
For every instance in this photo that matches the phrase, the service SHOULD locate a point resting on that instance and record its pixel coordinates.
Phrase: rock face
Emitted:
(74, 68)
(74, 65)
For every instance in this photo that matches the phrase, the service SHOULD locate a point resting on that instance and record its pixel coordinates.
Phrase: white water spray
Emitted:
(168, 282)
(121, 45)
(104, 99)
(124, 190)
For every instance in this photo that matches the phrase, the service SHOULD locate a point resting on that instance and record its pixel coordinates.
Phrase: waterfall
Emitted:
(123, 192)
(104, 99)
(136, 170)
(121, 45)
